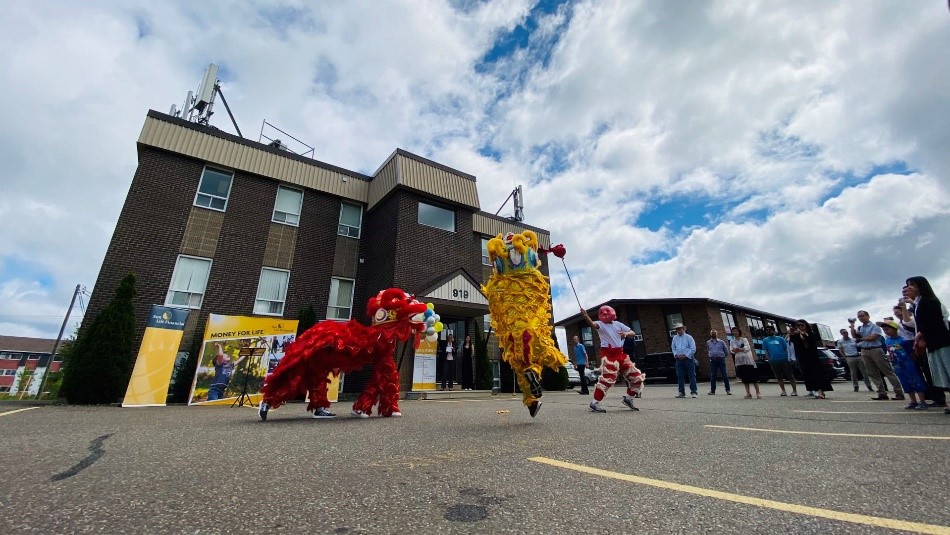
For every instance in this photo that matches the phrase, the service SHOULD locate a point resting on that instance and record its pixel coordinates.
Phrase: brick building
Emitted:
(653, 321)
(220, 224)
(19, 354)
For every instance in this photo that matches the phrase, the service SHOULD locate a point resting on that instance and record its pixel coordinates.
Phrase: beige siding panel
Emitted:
(226, 153)
(492, 227)
(385, 180)
(439, 182)
(459, 289)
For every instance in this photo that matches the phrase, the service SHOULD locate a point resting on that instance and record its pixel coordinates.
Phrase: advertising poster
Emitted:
(423, 370)
(148, 386)
(236, 355)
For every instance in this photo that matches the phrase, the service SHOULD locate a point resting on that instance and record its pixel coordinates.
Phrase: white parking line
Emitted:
(783, 431)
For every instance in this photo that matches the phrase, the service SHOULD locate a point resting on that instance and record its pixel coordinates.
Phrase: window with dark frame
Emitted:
(351, 220)
(436, 216)
(214, 189)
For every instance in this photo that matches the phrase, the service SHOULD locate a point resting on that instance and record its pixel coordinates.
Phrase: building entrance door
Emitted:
(456, 328)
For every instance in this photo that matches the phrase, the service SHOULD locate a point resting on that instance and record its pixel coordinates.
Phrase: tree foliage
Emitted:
(307, 318)
(484, 379)
(100, 364)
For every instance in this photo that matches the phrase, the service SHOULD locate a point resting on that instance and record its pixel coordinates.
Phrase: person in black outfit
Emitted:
(465, 364)
(933, 333)
(806, 351)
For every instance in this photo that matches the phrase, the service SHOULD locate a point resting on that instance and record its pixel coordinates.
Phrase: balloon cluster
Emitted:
(433, 325)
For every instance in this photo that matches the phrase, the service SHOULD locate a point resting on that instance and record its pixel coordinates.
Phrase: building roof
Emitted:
(620, 302)
(27, 345)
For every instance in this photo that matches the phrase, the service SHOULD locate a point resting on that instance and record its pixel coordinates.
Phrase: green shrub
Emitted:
(99, 368)
(484, 379)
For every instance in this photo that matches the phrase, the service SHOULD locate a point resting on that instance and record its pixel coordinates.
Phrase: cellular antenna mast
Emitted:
(198, 106)
(518, 196)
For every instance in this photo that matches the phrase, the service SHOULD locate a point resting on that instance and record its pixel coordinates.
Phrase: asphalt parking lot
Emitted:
(709, 465)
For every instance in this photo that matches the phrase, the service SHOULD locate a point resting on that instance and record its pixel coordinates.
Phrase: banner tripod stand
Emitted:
(247, 353)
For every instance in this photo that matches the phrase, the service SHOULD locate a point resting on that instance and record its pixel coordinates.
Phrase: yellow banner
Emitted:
(148, 386)
(423, 370)
(237, 354)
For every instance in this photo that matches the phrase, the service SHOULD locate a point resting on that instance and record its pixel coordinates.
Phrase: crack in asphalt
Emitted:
(96, 451)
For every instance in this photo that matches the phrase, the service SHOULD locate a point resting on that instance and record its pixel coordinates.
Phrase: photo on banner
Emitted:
(238, 352)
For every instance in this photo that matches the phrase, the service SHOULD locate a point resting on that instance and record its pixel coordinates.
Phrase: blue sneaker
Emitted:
(595, 407)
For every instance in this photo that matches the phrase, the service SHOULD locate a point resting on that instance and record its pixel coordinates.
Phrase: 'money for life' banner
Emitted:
(148, 386)
(238, 350)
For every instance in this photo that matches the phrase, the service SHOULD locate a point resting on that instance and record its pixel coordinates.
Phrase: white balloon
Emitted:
(432, 338)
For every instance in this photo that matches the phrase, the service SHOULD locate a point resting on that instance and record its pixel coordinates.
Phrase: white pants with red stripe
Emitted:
(615, 362)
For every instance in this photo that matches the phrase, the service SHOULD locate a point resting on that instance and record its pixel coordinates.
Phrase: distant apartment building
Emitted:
(19, 355)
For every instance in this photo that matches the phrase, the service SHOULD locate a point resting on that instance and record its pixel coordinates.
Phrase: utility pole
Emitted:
(52, 356)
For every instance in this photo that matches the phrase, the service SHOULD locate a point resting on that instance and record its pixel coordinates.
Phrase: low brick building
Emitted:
(19, 354)
(220, 224)
(653, 321)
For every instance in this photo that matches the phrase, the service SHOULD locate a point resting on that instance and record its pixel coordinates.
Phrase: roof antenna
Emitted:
(198, 106)
(518, 195)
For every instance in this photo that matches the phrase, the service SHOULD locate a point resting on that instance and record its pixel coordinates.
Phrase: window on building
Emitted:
(4, 388)
(486, 322)
(635, 325)
(214, 189)
(271, 292)
(9, 372)
(587, 335)
(4, 355)
(287, 206)
(435, 216)
(673, 319)
(189, 280)
(341, 299)
(756, 334)
(33, 356)
(485, 260)
(728, 322)
(351, 219)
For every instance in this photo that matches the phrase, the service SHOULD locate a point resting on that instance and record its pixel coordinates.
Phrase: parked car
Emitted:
(593, 374)
(573, 378)
(660, 366)
(833, 367)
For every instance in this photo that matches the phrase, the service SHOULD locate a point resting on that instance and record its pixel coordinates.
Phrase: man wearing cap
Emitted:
(684, 351)
(870, 340)
(852, 357)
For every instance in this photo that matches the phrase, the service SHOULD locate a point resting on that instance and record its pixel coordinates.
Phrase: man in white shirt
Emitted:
(852, 357)
(684, 351)
(614, 361)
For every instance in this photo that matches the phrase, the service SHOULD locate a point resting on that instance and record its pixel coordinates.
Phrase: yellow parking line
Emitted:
(17, 410)
(918, 437)
(876, 521)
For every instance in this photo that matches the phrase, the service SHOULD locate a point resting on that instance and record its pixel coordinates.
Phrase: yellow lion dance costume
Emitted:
(519, 303)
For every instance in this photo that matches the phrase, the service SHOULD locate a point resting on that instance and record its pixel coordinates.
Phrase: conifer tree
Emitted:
(99, 366)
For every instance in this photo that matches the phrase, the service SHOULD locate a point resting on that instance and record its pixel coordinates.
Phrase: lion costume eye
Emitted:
(381, 315)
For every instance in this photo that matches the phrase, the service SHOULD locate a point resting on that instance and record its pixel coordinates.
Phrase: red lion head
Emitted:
(395, 305)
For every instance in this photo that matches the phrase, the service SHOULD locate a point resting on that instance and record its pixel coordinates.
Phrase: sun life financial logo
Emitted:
(166, 319)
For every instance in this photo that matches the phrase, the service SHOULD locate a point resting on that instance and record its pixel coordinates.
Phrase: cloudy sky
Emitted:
(788, 156)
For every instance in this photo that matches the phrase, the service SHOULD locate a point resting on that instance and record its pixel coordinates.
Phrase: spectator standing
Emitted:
(899, 350)
(870, 340)
(684, 351)
(806, 351)
(776, 349)
(933, 330)
(580, 364)
(717, 351)
(852, 357)
(745, 362)
(466, 368)
(448, 372)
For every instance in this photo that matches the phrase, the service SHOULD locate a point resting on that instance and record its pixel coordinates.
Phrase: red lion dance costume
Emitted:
(519, 302)
(334, 347)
